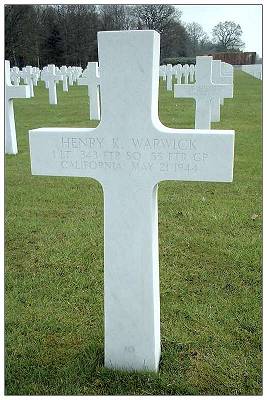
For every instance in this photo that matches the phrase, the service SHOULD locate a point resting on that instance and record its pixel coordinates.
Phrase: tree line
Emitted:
(67, 34)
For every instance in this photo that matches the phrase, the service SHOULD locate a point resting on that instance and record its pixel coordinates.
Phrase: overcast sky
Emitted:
(249, 17)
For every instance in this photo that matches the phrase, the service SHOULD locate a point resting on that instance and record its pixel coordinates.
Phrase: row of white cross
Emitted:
(213, 83)
(129, 152)
(51, 75)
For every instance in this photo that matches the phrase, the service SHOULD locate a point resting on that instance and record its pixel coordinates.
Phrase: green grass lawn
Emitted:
(210, 265)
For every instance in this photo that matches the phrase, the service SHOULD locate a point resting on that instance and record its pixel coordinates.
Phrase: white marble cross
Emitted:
(178, 73)
(64, 71)
(227, 70)
(129, 153)
(217, 78)
(35, 75)
(15, 75)
(191, 73)
(70, 75)
(92, 80)
(12, 92)
(43, 77)
(26, 74)
(203, 91)
(185, 71)
(162, 72)
(51, 77)
(169, 76)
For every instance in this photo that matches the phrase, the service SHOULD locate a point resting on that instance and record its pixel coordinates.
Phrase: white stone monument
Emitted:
(12, 92)
(162, 72)
(70, 76)
(178, 73)
(218, 78)
(15, 76)
(186, 73)
(92, 80)
(129, 152)
(191, 73)
(203, 91)
(51, 77)
(63, 71)
(169, 76)
(26, 74)
(35, 75)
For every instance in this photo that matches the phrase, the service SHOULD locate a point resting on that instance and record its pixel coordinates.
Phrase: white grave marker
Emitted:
(191, 73)
(203, 91)
(70, 76)
(129, 153)
(35, 75)
(26, 74)
(64, 71)
(92, 80)
(179, 73)
(169, 76)
(217, 78)
(15, 75)
(162, 72)
(12, 92)
(51, 77)
(186, 73)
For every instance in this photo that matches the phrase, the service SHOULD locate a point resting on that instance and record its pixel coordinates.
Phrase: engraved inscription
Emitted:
(133, 155)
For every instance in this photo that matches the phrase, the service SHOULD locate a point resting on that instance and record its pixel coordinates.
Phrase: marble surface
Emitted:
(203, 91)
(12, 92)
(92, 80)
(129, 152)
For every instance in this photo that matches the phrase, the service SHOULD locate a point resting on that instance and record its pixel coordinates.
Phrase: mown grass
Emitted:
(210, 265)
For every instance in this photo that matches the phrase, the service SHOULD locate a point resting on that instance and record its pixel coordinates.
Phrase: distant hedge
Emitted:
(179, 60)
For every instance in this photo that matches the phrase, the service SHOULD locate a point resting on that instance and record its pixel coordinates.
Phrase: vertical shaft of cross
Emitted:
(203, 103)
(93, 87)
(11, 146)
(132, 321)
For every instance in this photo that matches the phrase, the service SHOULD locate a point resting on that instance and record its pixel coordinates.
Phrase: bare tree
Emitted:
(113, 17)
(227, 36)
(155, 16)
(197, 38)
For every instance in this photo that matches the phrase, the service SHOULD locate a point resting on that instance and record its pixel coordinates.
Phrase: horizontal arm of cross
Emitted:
(18, 92)
(162, 154)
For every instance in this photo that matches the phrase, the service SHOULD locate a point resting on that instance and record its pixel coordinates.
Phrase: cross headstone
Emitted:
(12, 92)
(129, 152)
(43, 77)
(162, 72)
(186, 73)
(15, 76)
(35, 75)
(92, 80)
(203, 91)
(64, 71)
(70, 76)
(179, 73)
(217, 78)
(169, 76)
(26, 74)
(227, 70)
(191, 73)
(51, 77)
